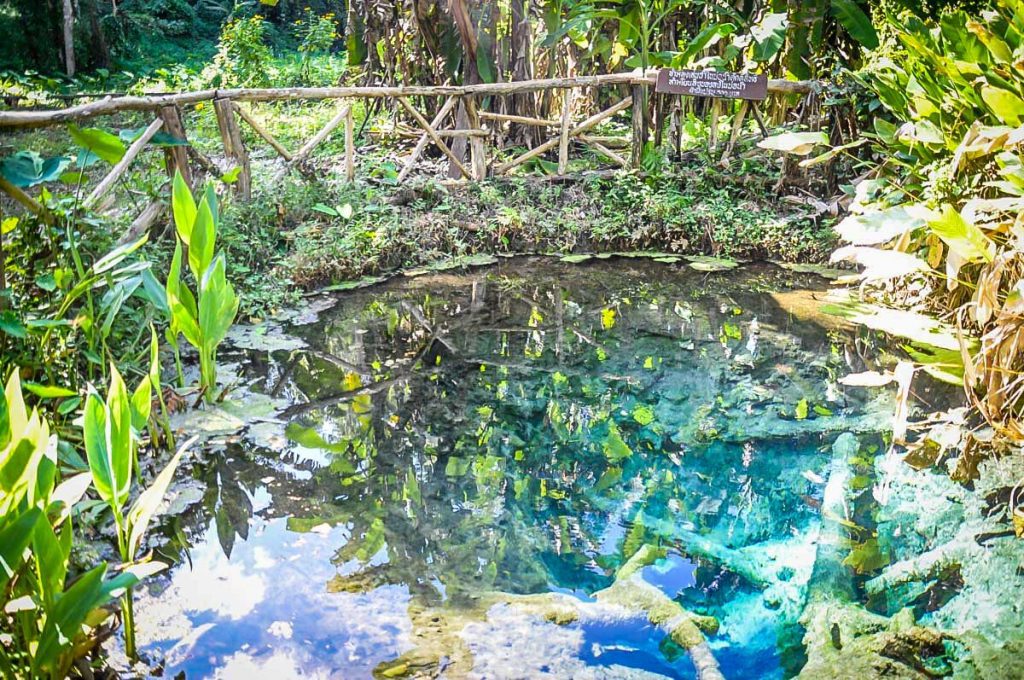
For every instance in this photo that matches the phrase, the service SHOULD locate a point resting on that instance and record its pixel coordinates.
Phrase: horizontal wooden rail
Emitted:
(461, 103)
(104, 107)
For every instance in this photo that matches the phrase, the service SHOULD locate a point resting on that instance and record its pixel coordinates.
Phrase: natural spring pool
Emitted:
(533, 469)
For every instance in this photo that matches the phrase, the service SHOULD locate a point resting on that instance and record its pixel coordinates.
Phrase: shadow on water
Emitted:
(519, 430)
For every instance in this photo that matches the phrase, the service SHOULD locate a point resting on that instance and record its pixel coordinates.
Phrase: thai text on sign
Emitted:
(724, 84)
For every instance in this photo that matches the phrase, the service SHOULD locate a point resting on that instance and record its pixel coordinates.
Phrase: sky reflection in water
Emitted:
(456, 435)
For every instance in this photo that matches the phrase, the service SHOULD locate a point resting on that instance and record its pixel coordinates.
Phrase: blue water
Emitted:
(522, 429)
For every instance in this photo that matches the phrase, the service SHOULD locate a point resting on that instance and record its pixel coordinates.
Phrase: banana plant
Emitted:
(48, 625)
(111, 431)
(205, 318)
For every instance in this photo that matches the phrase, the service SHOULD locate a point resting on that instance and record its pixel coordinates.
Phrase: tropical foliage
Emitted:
(205, 317)
(946, 192)
(50, 619)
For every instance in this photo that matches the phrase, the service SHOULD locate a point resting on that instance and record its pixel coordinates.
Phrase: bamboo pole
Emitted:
(135, 103)
(596, 144)
(433, 136)
(263, 132)
(716, 112)
(234, 147)
(175, 157)
(19, 195)
(552, 143)
(308, 147)
(737, 128)
(350, 146)
(563, 137)
(122, 165)
(141, 224)
(522, 120)
(424, 138)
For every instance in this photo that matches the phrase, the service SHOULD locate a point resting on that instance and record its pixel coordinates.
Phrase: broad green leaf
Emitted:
(71, 490)
(184, 313)
(96, 448)
(1006, 105)
(116, 256)
(49, 391)
(26, 169)
(856, 22)
(878, 227)
(11, 325)
(154, 358)
(183, 205)
(119, 435)
(161, 138)
(831, 153)
(801, 409)
(65, 619)
(17, 414)
(149, 500)
(201, 245)
(218, 305)
(99, 142)
(142, 399)
(796, 143)
(769, 36)
(210, 195)
(708, 36)
(14, 538)
(962, 237)
(997, 47)
(16, 468)
(51, 563)
(901, 323)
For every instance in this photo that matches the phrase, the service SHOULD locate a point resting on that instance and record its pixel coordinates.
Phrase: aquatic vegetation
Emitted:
(203, 318)
(47, 623)
(111, 429)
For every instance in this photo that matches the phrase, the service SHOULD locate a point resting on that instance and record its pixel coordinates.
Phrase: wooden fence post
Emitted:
(477, 150)
(563, 139)
(641, 130)
(350, 146)
(234, 147)
(175, 157)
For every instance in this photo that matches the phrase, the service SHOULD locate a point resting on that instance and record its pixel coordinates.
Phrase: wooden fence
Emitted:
(230, 108)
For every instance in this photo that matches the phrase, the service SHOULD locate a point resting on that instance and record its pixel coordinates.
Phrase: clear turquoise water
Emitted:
(523, 429)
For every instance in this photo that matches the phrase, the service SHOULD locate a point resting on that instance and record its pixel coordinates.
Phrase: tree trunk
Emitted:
(470, 76)
(522, 69)
(69, 39)
(99, 40)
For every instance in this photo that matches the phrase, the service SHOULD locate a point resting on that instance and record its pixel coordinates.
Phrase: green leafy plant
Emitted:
(243, 56)
(47, 625)
(112, 435)
(204, 318)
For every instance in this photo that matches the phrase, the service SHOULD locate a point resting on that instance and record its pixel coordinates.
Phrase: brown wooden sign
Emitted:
(723, 84)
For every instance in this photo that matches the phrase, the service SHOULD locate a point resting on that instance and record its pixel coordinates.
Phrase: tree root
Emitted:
(931, 564)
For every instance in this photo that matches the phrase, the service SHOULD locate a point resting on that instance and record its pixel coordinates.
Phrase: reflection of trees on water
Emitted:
(505, 435)
(521, 434)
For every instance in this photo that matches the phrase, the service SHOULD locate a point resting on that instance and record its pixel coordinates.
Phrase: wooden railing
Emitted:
(229, 109)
